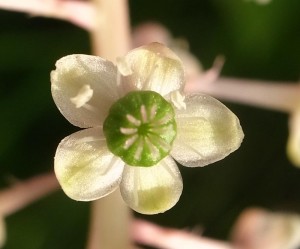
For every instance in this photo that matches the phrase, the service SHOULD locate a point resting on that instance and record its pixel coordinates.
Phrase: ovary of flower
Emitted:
(136, 122)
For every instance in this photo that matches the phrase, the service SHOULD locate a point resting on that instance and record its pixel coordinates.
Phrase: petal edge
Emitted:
(207, 131)
(84, 167)
(152, 190)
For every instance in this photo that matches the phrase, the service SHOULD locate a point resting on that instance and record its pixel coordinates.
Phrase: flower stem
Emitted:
(78, 12)
(110, 217)
(168, 238)
(111, 220)
(23, 193)
(280, 96)
(111, 35)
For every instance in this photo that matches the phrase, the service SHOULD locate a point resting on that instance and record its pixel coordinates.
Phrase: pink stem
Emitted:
(281, 96)
(168, 238)
(80, 13)
(110, 216)
(23, 193)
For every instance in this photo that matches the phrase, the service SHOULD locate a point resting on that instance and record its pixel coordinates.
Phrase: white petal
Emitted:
(85, 168)
(83, 88)
(152, 190)
(293, 145)
(207, 131)
(152, 67)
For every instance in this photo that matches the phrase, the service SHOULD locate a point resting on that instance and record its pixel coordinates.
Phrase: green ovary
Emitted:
(140, 128)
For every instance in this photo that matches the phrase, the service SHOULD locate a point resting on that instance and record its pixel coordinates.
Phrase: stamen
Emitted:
(83, 96)
(133, 120)
(128, 131)
(144, 114)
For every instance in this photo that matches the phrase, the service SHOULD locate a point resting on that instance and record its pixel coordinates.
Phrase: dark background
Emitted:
(258, 41)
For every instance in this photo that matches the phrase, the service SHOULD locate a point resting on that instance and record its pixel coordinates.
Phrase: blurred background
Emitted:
(258, 42)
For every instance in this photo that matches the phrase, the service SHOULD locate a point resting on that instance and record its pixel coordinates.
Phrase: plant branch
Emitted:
(23, 193)
(280, 96)
(168, 238)
(80, 13)
(110, 217)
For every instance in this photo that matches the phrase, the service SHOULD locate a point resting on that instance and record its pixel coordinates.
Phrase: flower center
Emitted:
(140, 128)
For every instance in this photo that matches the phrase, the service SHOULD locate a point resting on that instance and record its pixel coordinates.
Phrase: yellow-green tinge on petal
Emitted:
(152, 190)
(85, 168)
(207, 131)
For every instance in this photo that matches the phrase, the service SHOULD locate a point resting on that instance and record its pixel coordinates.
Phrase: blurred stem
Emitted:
(110, 217)
(168, 238)
(23, 193)
(280, 96)
(111, 35)
(110, 223)
(78, 12)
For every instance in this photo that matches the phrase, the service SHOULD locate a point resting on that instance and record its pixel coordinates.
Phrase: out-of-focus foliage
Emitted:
(258, 41)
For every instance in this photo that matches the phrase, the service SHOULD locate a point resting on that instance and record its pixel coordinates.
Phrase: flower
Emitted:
(136, 121)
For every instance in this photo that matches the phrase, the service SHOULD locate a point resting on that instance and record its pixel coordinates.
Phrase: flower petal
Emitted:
(207, 131)
(152, 67)
(85, 168)
(293, 144)
(152, 190)
(83, 88)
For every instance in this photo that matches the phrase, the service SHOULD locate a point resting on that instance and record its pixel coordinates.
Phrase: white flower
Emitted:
(136, 122)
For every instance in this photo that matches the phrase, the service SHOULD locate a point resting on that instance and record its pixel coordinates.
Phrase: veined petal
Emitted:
(293, 145)
(207, 131)
(83, 88)
(85, 168)
(152, 67)
(152, 190)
